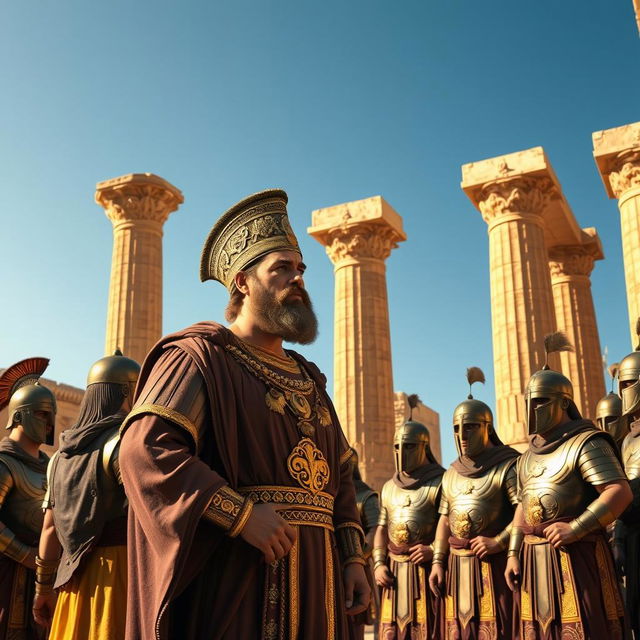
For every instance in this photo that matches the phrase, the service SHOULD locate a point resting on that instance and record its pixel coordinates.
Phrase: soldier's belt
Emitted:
(461, 552)
(399, 557)
(302, 508)
(531, 539)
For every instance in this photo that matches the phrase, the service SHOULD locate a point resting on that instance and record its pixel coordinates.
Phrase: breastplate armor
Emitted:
(551, 486)
(412, 513)
(477, 506)
(22, 508)
(631, 457)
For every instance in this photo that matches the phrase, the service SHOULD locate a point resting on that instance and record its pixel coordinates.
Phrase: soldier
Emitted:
(570, 487)
(369, 509)
(32, 410)
(83, 543)
(626, 542)
(478, 497)
(402, 549)
(609, 411)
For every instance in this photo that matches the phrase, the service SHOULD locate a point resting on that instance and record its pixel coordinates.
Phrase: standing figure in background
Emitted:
(609, 411)
(402, 550)
(479, 494)
(23, 467)
(626, 537)
(571, 485)
(369, 509)
(82, 550)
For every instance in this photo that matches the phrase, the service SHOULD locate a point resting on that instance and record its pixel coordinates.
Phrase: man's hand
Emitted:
(357, 591)
(483, 546)
(512, 573)
(43, 607)
(436, 580)
(420, 553)
(383, 576)
(270, 533)
(559, 534)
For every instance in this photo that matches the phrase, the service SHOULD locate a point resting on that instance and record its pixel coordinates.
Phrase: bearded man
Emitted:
(476, 507)
(403, 550)
(571, 485)
(23, 467)
(243, 521)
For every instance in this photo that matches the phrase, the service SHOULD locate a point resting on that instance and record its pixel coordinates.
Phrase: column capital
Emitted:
(576, 259)
(360, 230)
(617, 155)
(138, 196)
(521, 183)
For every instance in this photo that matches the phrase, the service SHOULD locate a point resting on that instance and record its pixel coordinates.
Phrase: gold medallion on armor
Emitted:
(534, 511)
(400, 533)
(308, 467)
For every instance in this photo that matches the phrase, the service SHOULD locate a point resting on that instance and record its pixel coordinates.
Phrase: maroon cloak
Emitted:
(187, 578)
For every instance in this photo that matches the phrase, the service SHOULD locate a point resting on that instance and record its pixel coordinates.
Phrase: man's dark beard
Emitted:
(292, 320)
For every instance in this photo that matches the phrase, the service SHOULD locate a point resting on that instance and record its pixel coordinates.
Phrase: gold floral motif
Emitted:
(323, 414)
(400, 533)
(276, 401)
(306, 428)
(299, 404)
(534, 513)
(307, 466)
(461, 524)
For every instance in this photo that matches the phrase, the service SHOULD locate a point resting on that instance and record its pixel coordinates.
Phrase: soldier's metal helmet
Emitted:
(25, 397)
(116, 369)
(411, 442)
(629, 379)
(609, 414)
(551, 386)
(472, 412)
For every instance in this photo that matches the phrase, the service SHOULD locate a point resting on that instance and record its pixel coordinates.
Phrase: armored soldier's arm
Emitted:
(48, 556)
(516, 535)
(600, 467)
(511, 489)
(159, 451)
(10, 545)
(111, 458)
(441, 542)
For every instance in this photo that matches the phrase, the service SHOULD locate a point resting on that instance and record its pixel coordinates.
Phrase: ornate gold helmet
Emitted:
(26, 397)
(629, 379)
(116, 369)
(472, 441)
(609, 410)
(552, 387)
(249, 230)
(411, 442)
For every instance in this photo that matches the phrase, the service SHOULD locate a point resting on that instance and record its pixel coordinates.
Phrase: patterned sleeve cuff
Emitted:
(228, 510)
(349, 537)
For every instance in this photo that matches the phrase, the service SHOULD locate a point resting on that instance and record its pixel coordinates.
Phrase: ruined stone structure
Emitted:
(138, 204)
(540, 261)
(617, 154)
(359, 236)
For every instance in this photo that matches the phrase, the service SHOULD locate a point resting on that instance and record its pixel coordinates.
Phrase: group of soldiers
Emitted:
(540, 545)
(212, 493)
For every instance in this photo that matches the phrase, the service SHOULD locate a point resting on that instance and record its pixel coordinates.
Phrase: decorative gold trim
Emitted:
(329, 588)
(226, 508)
(461, 552)
(347, 455)
(353, 525)
(308, 467)
(286, 364)
(294, 605)
(166, 413)
(287, 495)
(242, 518)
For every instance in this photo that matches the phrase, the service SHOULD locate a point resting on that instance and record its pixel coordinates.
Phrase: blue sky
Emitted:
(334, 101)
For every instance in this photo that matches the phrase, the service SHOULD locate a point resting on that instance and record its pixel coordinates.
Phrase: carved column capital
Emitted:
(520, 195)
(138, 197)
(625, 172)
(360, 241)
(571, 261)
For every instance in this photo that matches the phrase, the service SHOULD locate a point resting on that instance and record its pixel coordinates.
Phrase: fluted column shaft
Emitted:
(521, 299)
(629, 204)
(137, 206)
(363, 377)
(570, 268)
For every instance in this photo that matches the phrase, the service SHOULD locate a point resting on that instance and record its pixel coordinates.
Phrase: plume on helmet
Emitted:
(554, 343)
(474, 374)
(26, 371)
(638, 333)
(612, 370)
(413, 401)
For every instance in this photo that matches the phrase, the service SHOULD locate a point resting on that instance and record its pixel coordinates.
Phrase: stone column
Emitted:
(359, 237)
(617, 154)
(138, 205)
(570, 268)
(512, 193)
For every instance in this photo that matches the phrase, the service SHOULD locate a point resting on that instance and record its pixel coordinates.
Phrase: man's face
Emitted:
(278, 300)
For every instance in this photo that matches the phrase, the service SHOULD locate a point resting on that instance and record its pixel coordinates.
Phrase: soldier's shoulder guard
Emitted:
(176, 392)
(387, 488)
(6, 479)
(598, 461)
(110, 457)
